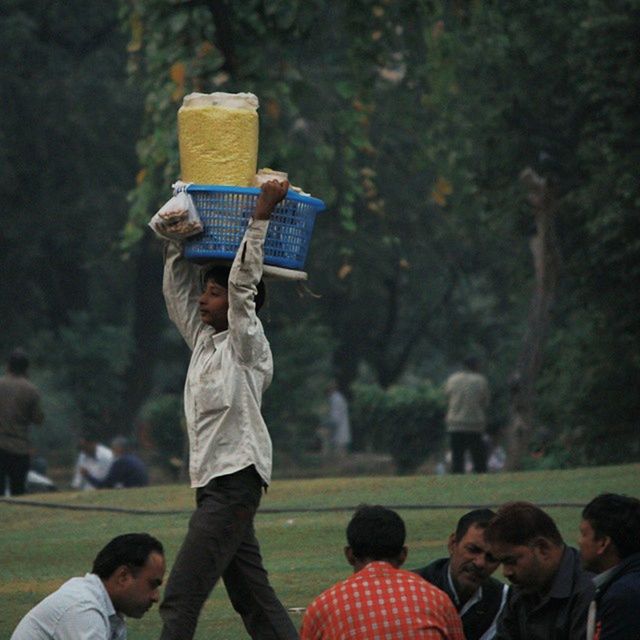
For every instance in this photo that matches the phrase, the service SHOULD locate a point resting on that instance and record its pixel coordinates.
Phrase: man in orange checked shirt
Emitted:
(380, 601)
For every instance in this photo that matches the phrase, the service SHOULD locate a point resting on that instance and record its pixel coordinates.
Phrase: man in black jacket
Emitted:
(552, 592)
(465, 576)
(610, 546)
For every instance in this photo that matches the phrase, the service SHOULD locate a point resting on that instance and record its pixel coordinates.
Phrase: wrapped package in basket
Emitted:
(218, 138)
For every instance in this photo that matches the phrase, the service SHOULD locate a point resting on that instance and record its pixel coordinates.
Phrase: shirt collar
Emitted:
(114, 617)
(219, 337)
(603, 577)
(377, 565)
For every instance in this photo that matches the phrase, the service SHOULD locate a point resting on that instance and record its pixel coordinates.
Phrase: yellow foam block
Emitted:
(218, 139)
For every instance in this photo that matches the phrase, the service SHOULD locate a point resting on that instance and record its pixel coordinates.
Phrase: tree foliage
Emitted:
(412, 120)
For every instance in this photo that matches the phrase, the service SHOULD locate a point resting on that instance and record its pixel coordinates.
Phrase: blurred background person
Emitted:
(467, 393)
(95, 458)
(338, 419)
(127, 469)
(19, 407)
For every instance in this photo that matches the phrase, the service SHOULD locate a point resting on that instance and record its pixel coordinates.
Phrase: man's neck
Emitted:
(358, 565)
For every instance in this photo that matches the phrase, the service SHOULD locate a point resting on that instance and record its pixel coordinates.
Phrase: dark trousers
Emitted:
(462, 441)
(221, 542)
(14, 467)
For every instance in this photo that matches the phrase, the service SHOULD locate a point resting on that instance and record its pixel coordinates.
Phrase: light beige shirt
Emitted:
(468, 394)
(229, 371)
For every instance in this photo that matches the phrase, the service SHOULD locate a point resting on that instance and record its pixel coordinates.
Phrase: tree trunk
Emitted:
(546, 262)
(148, 309)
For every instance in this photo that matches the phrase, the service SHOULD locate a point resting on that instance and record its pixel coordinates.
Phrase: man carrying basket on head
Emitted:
(230, 454)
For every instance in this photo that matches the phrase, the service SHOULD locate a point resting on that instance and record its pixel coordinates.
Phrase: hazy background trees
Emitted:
(413, 120)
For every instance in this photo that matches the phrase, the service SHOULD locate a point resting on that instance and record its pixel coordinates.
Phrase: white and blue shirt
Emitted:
(79, 610)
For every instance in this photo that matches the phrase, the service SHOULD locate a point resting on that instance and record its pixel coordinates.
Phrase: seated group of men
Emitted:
(101, 467)
(556, 593)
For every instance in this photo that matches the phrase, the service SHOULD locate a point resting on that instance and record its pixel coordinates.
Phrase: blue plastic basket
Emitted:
(225, 211)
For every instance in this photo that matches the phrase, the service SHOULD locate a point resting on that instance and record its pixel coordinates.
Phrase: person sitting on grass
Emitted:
(610, 546)
(124, 581)
(127, 469)
(380, 600)
(465, 576)
(95, 458)
(552, 593)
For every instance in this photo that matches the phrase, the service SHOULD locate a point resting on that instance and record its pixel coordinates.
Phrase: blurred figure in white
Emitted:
(338, 419)
(96, 458)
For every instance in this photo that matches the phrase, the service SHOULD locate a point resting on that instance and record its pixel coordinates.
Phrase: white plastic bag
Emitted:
(177, 218)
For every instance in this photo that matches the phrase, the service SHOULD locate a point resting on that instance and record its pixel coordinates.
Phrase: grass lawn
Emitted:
(40, 548)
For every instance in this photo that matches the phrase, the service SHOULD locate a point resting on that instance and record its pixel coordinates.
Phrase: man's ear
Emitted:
(121, 575)
(543, 545)
(451, 543)
(348, 554)
(403, 556)
(605, 545)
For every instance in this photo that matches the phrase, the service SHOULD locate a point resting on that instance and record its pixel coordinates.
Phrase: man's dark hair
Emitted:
(130, 549)
(616, 516)
(376, 533)
(519, 523)
(478, 518)
(18, 362)
(220, 275)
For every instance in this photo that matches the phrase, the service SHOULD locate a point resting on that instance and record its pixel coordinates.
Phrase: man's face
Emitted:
(214, 305)
(140, 588)
(590, 545)
(470, 561)
(522, 565)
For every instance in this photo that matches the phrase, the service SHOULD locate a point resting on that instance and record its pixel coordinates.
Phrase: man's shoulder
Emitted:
(103, 452)
(18, 383)
(434, 572)
(625, 588)
(74, 594)
(77, 604)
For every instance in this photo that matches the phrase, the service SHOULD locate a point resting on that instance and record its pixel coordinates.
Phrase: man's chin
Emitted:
(474, 580)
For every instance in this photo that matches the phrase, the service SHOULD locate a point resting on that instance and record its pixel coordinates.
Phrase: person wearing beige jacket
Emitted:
(468, 395)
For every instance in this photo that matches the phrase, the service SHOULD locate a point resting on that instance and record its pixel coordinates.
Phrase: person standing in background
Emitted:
(468, 396)
(19, 407)
(338, 419)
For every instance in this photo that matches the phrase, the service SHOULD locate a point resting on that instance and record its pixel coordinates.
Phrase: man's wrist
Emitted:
(262, 212)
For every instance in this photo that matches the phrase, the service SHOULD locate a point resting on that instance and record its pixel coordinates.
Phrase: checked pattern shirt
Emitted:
(381, 602)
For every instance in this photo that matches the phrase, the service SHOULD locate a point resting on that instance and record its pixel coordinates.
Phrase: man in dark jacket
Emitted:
(552, 593)
(610, 546)
(465, 576)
